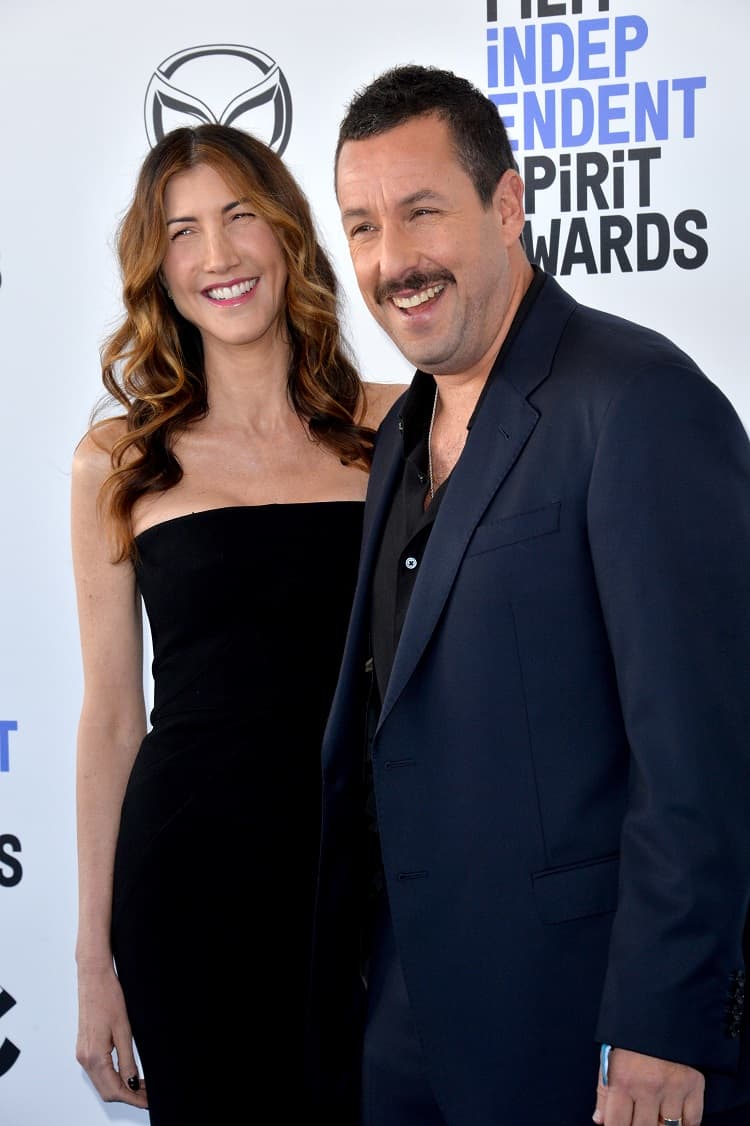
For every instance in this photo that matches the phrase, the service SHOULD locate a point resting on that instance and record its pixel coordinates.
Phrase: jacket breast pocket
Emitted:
(493, 534)
(577, 890)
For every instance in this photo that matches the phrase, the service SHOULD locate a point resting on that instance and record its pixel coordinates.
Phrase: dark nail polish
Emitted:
(134, 1083)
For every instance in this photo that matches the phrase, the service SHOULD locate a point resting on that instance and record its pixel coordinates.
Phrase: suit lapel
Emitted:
(387, 465)
(500, 431)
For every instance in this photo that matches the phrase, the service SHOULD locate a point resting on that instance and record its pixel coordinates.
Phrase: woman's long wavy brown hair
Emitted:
(152, 364)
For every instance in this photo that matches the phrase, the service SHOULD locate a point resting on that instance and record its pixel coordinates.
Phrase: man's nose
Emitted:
(398, 255)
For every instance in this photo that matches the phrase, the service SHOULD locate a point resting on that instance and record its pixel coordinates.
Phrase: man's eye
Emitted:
(362, 229)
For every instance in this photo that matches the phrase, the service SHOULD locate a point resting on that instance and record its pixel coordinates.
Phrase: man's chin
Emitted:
(431, 362)
(423, 354)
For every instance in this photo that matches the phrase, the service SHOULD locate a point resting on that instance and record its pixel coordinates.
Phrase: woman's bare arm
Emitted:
(111, 727)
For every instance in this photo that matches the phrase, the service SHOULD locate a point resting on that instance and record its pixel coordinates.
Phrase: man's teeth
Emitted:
(224, 292)
(418, 298)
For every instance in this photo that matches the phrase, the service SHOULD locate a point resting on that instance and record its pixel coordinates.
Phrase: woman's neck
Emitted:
(247, 386)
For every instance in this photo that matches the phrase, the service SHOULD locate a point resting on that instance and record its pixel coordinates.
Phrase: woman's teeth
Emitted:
(225, 292)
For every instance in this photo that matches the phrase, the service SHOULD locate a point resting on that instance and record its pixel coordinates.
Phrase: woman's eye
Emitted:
(177, 234)
(243, 215)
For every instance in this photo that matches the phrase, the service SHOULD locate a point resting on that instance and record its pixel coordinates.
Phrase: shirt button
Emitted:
(410, 563)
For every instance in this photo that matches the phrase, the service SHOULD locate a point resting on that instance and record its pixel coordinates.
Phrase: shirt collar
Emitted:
(417, 409)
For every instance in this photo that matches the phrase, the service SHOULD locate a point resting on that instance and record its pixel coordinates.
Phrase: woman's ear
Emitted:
(163, 282)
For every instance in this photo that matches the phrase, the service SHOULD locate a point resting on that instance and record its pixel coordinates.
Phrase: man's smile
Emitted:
(417, 298)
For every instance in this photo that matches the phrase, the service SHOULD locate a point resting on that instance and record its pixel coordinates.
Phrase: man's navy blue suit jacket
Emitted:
(562, 760)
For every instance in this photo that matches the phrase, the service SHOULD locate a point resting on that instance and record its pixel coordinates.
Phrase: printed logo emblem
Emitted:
(223, 83)
(9, 1053)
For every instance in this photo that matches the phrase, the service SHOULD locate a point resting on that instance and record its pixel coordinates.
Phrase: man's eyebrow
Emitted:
(354, 213)
(407, 201)
(419, 197)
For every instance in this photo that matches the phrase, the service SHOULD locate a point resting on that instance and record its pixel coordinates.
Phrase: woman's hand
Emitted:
(103, 1026)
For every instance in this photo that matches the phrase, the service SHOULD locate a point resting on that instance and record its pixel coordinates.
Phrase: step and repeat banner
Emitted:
(628, 122)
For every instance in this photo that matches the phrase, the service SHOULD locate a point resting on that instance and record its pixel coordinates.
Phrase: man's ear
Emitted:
(508, 204)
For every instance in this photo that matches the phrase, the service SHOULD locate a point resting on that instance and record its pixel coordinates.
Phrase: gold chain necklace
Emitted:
(429, 442)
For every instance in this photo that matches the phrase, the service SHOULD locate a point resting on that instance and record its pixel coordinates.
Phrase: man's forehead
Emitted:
(408, 159)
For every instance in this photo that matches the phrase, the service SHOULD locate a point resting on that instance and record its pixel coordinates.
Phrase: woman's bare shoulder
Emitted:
(379, 398)
(97, 444)
(92, 456)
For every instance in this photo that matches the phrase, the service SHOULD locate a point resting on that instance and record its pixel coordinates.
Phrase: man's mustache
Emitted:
(416, 280)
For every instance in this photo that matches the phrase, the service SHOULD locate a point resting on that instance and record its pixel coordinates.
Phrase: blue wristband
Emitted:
(604, 1060)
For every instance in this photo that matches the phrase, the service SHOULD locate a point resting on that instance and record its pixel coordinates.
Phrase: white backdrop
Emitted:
(607, 79)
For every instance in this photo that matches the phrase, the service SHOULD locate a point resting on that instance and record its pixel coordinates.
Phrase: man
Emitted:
(554, 601)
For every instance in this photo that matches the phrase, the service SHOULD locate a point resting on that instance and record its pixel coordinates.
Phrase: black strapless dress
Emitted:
(216, 857)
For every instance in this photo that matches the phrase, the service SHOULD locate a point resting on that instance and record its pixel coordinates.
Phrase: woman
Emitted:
(228, 494)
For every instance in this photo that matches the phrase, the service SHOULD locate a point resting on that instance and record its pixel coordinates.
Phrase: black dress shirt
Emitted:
(408, 526)
(405, 535)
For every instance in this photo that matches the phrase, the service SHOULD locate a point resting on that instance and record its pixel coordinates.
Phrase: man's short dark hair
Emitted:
(405, 92)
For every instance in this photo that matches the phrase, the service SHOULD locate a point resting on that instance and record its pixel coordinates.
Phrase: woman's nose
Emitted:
(220, 252)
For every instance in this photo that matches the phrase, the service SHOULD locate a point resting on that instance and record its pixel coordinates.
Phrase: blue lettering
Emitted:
(492, 73)
(606, 113)
(609, 113)
(552, 33)
(557, 43)
(586, 48)
(542, 119)
(625, 43)
(509, 120)
(6, 725)
(516, 55)
(688, 86)
(580, 100)
(655, 114)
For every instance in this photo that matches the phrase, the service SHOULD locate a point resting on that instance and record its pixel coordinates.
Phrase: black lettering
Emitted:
(538, 173)
(646, 223)
(618, 178)
(565, 199)
(548, 8)
(575, 256)
(616, 231)
(684, 234)
(642, 243)
(9, 842)
(644, 158)
(541, 253)
(592, 169)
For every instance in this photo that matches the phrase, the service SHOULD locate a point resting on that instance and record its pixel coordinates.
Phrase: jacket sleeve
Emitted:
(669, 528)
